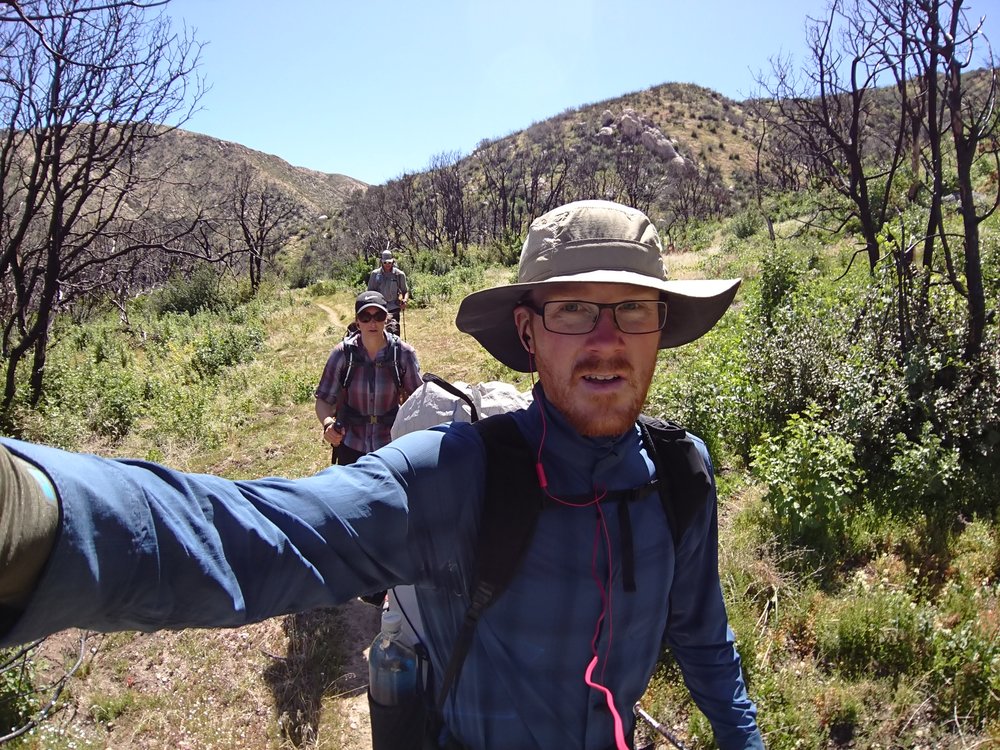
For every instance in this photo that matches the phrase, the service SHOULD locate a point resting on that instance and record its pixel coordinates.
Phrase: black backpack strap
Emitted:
(443, 384)
(347, 371)
(397, 367)
(512, 503)
(683, 480)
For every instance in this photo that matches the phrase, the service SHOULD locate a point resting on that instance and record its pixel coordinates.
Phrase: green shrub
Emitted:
(780, 276)
(965, 673)
(926, 474)
(117, 402)
(288, 386)
(746, 224)
(878, 632)
(203, 289)
(225, 346)
(18, 697)
(812, 483)
(454, 283)
(700, 388)
(976, 555)
(180, 412)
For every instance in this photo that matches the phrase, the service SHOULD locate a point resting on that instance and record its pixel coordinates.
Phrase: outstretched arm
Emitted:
(142, 547)
(700, 638)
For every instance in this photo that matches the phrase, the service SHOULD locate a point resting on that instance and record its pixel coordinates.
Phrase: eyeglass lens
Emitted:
(578, 316)
(367, 317)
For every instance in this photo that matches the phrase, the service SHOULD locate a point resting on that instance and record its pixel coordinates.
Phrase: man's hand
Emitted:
(333, 431)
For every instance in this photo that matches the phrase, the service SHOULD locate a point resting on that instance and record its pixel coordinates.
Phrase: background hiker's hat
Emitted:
(370, 299)
(593, 241)
(387, 256)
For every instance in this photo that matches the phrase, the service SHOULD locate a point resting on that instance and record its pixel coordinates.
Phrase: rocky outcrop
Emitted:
(631, 127)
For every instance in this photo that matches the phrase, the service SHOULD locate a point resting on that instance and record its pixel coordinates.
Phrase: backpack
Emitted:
(347, 413)
(514, 501)
(353, 360)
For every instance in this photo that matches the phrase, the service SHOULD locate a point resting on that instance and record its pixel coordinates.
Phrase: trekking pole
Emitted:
(402, 323)
(660, 728)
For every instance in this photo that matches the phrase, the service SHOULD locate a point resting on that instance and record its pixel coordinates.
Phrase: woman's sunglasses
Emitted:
(378, 315)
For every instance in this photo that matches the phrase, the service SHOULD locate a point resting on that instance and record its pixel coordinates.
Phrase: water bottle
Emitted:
(392, 665)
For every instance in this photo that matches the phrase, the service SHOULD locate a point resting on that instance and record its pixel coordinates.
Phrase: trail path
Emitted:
(360, 625)
(334, 318)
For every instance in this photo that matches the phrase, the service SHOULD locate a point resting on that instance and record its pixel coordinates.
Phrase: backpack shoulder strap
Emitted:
(398, 369)
(511, 506)
(683, 480)
(350, 357)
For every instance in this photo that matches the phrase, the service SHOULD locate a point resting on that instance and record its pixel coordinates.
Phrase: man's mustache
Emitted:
(594, 365)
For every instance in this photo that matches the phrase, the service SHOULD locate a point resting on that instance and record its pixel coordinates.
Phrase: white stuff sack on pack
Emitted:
(435, 403)
(431, 404)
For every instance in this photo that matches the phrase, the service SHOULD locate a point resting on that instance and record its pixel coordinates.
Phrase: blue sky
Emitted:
(376, 88)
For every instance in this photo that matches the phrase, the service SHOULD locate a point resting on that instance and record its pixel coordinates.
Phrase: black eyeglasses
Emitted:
(378, 316)
(576, 317)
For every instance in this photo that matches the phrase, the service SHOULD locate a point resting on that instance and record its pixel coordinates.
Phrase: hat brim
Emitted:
(376, 305)
(694, 306)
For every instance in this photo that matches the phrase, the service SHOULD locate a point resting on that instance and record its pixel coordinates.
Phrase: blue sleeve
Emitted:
(144, 547)
(700, 638)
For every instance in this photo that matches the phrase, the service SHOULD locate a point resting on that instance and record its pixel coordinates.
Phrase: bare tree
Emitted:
(505, 213)
(642, 176)
(932, 120)
(85, 90)
(593, 176)
(547, 164)
(261, 215)
(827, 116)
(448, 185)
(693, 193)
(974, 128)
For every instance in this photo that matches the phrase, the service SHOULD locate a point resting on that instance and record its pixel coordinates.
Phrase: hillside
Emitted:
(701, 124)
(205, 167)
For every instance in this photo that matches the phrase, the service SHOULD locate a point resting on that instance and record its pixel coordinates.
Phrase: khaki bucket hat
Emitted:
(592, 241)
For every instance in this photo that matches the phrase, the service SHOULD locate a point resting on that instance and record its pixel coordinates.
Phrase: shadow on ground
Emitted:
(324, 658)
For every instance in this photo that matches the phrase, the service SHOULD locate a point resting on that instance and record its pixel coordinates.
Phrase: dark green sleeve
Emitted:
(29, 518)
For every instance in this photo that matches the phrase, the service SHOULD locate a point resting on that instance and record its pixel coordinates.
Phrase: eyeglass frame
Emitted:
(613, 306)
(369, 317)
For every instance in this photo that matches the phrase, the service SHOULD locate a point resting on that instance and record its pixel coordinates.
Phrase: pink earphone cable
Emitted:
(604, 588)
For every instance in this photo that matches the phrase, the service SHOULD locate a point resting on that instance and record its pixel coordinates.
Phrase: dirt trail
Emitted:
(334, 318)
(360, 625)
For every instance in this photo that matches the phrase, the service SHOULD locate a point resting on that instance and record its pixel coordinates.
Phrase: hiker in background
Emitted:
(388, 280)
(366, 378)
(610, 574)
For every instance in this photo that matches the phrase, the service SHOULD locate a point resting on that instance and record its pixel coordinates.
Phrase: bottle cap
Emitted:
(392, 621)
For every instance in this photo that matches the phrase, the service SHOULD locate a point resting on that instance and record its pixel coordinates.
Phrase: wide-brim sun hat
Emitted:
(592, 241)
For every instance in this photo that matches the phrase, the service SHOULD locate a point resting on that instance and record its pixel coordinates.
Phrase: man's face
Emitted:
(598, 380)
(387, 265)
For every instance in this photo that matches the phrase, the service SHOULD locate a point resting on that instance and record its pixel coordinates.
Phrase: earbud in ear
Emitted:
(526, 340)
